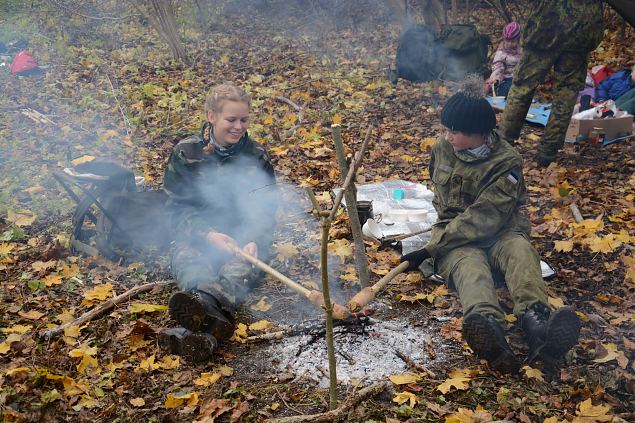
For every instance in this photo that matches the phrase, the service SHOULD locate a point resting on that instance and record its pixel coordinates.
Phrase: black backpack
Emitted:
(113, 217)
(457, 50)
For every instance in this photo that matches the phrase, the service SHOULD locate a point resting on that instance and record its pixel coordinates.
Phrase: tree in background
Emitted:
(162, 17)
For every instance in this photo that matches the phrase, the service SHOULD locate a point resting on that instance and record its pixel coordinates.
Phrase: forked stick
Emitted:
(366, 295)
(339, 312)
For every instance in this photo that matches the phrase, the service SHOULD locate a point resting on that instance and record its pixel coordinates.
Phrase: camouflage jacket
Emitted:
(235, 194)
(564, 25)
(476, 200)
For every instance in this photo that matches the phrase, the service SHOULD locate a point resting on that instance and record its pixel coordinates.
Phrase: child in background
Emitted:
(506, 58)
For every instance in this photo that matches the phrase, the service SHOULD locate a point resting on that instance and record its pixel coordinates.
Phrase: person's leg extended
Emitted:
(529, 73)
(550, 334)
(202, 304)
(468, 270)
(570, 71)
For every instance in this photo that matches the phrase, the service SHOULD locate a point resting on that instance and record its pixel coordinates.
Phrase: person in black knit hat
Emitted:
(482, 236)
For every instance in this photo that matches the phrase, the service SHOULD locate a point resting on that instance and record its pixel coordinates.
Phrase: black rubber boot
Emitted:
(192, 346)
(199, 311)
(487, 339)
(550, 335)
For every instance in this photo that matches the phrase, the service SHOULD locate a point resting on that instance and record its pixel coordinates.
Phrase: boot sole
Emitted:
(194, 346)
(481, 336)
(563, 331)
(188, 311)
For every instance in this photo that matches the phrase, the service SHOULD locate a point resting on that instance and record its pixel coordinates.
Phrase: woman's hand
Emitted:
(251, 249)
(221, 241)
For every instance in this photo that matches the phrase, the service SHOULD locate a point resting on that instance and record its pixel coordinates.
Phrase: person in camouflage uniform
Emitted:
(222, 193)
(482, 233)
(559, 34)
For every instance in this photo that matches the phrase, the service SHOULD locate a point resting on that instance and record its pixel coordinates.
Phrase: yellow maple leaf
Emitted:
(465, 415)
(17, 329)
(510, 318)
(84, 159)
(532, 373)
(337, 119)
(86, 353)
(341, 248)
(563, 246)
(240, 333)
(173, 401)
(207, 379)
(21, 217)
(611, 353)
(148, 365)
(459, 379)
(40, 266)
(6, 248)
(404, 379)
(98, 293)
(261, 325)
(427, 143)
(261, 305)
(404, 397)
(169, 363)
(69, 271)
(17, 371)
(418, 296)
(556, 302)
(606, 244)
(72, 331)
(51, 280)
(587, 412)
(146, 308)
(5, 345)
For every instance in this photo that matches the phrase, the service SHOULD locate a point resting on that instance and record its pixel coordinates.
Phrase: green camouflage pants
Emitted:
(227, 278)
(570, 72)
(471, 271)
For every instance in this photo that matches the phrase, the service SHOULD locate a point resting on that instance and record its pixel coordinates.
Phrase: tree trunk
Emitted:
(162, 18)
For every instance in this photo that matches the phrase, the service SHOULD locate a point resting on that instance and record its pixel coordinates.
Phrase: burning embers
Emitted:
(366, 350)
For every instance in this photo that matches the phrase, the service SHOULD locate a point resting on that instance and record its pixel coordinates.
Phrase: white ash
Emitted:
(361, 357)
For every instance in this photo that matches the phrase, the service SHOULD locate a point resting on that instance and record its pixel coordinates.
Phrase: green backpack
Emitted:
(466, 52)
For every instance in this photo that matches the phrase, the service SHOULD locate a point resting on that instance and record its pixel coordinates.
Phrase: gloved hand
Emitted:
(415, 259)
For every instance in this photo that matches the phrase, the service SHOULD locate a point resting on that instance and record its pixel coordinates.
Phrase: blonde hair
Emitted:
(225, 92)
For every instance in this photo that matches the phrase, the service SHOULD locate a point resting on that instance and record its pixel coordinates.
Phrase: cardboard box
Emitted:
(610, 126)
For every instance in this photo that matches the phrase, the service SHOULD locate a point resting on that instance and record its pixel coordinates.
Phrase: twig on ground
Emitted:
(289, 102)
(576, 212)
(123, 114)
(413, 365)
(345, 407)
(91, 314)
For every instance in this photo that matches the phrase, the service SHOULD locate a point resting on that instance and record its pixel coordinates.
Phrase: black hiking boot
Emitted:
(192, 346)
(550, 335)
(199, 311)
(487, 339)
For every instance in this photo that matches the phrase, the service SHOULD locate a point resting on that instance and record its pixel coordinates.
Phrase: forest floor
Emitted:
(129, 102)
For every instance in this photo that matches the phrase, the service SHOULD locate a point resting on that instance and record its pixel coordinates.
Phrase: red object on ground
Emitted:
(600, 73)
(22, 62)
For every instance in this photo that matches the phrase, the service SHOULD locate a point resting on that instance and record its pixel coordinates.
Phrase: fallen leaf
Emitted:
(404, 379)
(169, 363)
(212, 409)
(532, 373)
(341, 248)
(5, 345)
(606, 353)
(286, 250)
(41, 266)
(459, 379)
(146, 308)
(563, 246)
(207, 379)
(556, 302)
(31, 315)
(147, 365)
(137, 402)
(17, 329)
(21, 218)
(261, 325)
(404, 397)
(240, 333)
(261, 305)
(174, 401)
(588, 413)
(98, 293)
(465, 415)
(84, 159)
(51, 280)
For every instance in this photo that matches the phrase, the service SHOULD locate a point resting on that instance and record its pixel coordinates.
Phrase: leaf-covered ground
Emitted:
(123, 98)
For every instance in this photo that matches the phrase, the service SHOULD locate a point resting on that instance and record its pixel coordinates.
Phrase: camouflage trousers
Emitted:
(226, 277)
(472, 271)
(569, 71)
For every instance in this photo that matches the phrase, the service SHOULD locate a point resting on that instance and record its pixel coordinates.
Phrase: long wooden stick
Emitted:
(366, 295)
(404, 236)
(345, 407)
(107, 305)
(339, 312)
